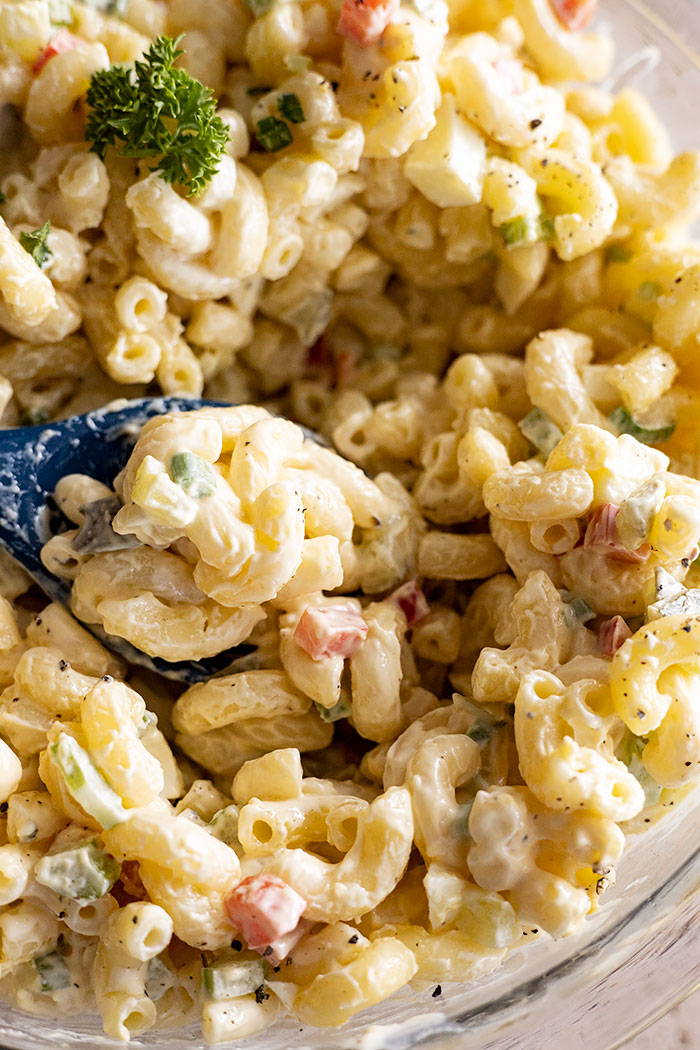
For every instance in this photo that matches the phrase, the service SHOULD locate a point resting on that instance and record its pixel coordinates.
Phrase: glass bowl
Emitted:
(639, 955)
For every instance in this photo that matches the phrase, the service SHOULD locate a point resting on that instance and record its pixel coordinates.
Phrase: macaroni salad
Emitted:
(469, 606)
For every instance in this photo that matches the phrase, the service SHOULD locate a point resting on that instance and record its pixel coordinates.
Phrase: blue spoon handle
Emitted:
(33, 459)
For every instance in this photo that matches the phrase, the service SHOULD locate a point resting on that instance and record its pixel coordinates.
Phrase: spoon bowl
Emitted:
(33, 460)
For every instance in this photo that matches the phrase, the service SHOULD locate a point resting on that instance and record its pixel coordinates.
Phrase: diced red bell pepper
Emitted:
(411, 601)
(264, 909)
(334, 630)
(61, 41)
(601, 536)
(613, 633)
(277, 951)
(345, 365)
(575, 14)
(364, 21)
(318, 355)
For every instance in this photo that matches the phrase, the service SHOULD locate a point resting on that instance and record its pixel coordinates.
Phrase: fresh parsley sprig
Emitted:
(36, 244)
(155, 110)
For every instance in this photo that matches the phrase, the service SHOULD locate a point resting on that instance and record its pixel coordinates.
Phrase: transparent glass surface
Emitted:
(640, 954)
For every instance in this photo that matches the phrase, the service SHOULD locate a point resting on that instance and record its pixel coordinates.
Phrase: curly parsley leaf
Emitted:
(36, 244)
(155, 110)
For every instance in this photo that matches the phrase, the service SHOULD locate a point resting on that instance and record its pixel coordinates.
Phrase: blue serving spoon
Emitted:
(32, 461)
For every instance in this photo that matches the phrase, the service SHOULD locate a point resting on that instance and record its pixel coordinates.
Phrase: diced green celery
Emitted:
(83, 872)
(85, 782)
(617, 253)
(53, 972)
(193, 474)
(577, 611)
(487, 918)
(309, 315)
(631, 747)
(156, 492)
(526, 230)
(483, 731)
(648, 291)
(631, 755)
(224, 825)
(489, 257)
(226, 980)
(148, 721)
(158, 979)
(460, 826)
(637, 512)
(518, 231)
(343, 709)
(652, 790)
(290, 108)
(624, 422)
(642, 303)
(273, 134)
(540, 431)
(296, 63)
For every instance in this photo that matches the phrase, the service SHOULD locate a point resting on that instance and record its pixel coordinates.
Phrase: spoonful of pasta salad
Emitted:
(176, 528)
